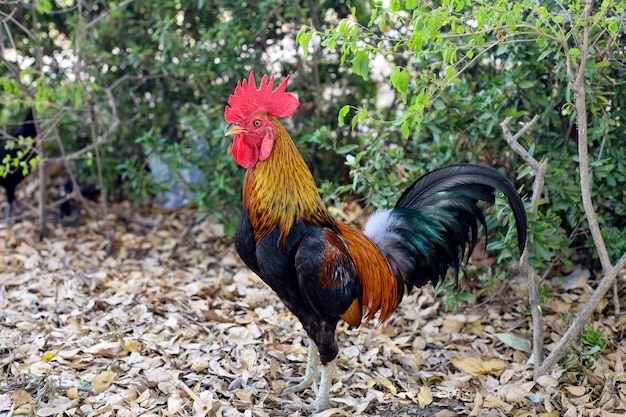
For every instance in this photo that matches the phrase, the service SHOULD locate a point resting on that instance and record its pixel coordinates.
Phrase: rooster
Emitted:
(324, 270)
(10, 174)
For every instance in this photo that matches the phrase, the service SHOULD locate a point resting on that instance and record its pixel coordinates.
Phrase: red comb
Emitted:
(248, 99)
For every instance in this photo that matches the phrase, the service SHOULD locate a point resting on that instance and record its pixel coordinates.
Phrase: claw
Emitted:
(322, 400)
(302, 384)
(310, 375)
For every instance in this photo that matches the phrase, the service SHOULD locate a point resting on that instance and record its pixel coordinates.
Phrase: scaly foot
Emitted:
(322, 401)
(310, 375)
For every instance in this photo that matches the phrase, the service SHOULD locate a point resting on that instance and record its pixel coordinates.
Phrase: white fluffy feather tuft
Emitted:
(381, 228)
(380, 225)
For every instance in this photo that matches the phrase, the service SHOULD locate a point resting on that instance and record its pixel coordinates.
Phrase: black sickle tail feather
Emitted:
(27, 127)
(9, 180)
(439, 217)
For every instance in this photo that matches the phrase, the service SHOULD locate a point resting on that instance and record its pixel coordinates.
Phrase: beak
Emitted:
(233, 129)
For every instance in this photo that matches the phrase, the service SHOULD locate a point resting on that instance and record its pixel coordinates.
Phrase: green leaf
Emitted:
(362, 114)
(406, 131)
(574, 52)
(44, 6)
(400, 79)
(342, 114)
(450, 72)
(361, 64)
(516, 341)
(411, 4)
(373, 17)
(303, 39)
(602, 64)
(613, 28)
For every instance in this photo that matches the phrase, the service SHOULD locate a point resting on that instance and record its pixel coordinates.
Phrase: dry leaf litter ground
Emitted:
(172, 323)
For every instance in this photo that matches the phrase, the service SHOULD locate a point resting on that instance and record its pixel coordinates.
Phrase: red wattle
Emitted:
(244, 154)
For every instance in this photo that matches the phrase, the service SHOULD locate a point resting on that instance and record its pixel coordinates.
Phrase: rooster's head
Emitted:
(251, 114)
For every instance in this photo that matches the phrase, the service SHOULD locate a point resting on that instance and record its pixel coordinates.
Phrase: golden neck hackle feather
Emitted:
(281, 191)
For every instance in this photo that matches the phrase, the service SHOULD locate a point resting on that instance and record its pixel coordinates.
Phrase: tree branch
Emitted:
(528, 270)
(580, 97)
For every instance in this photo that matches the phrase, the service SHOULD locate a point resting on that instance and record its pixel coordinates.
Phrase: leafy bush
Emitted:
(458, 70)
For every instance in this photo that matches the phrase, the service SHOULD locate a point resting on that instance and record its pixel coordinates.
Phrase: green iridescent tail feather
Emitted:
(437, 218)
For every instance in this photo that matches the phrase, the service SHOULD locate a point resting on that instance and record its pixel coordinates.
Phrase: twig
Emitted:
(75, 187)
(528, 270)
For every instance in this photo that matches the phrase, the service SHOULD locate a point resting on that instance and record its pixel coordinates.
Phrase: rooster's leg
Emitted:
(310, 375)
(322, 402)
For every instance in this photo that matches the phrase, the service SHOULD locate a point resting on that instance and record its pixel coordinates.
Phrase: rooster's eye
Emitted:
(256, 123)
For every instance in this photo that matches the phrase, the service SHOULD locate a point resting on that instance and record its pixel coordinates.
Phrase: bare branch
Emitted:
(529, 271)
(580, 97)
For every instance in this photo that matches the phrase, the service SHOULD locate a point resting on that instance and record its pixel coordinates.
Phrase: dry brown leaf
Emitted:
(424, 397)
(451, 326)
(105, 349)
(576, 391)
(205, 405)
(547, 381)
(175, 404)
(101, 382)
(21, 397)
(479, 366)
(619, 366)
(492, 401)
(332, 412)
(477, 408)
(56, 407)
(175, 306)
(386, 383)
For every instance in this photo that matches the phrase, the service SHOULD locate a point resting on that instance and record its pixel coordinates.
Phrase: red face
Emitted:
(254, 139)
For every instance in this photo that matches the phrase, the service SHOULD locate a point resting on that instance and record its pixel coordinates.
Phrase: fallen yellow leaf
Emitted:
(479, 366)
(386, 383)
(102, 381)
(424, 397)
(131, 345)
(72, 393)
(48, 356)
(21, 397)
